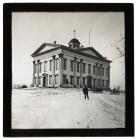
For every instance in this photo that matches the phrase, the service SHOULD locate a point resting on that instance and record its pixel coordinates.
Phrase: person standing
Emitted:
(85, 91)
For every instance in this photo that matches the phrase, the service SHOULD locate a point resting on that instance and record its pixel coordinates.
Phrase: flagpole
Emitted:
(89, 36)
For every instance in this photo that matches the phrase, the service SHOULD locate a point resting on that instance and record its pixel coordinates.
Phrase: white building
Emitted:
(57, 65)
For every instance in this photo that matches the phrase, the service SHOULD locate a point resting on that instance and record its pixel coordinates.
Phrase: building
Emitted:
(57, 65)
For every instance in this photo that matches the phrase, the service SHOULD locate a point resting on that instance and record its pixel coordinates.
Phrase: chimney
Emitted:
(54, 42)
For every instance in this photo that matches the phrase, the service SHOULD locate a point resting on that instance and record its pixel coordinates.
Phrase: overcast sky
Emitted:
(30, 30)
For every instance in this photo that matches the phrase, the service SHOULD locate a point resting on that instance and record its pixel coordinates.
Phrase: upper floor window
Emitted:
(71, 65)
(102, 71)
(45, 65)
(40, 66)
(89, 69)
(98, 70)
(78, 64)
(35, 68)
(50, 64)
(107, 72)
(84, 67)
(64, 63)
(56, 64)
(94, 69)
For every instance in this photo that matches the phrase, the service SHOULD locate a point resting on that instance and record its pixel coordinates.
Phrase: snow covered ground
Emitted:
(66, 108)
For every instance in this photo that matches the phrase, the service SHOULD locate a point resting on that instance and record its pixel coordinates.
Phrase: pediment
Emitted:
(89, 52)
(46, 48)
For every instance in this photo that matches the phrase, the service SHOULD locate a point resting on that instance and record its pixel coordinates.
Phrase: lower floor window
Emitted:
(102, 83)
(50, 79)
(64, 79)
(84, 80)
(98, 82)
(94, 82)
(39, 80)
(77, 80)
(35, 81)
(71, 80)
(107, 84)
(56, 79)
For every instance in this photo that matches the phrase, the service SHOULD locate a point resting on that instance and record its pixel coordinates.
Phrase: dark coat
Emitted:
(85, 90)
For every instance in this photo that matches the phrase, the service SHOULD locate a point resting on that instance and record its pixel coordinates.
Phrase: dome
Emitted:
(74, 40)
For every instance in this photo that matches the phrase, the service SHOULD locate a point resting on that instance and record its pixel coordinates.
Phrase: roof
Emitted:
(79, 51)
(93, 50)
(74, 40)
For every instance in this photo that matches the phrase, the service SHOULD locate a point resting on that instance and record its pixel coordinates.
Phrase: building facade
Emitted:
(56, 65)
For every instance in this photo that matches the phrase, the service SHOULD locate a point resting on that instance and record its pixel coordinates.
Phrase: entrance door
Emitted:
(89, 81)
(45, 81)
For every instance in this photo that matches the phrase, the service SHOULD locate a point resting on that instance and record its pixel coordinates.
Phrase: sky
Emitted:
(31, 29)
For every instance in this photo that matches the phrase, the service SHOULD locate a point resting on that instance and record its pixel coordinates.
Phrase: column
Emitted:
(33, 80)
(53, 71)
(81, 62)
(108, 77)
(96, 85)
(75, 60)
(38, 72)
(61, 69)
(100, 75)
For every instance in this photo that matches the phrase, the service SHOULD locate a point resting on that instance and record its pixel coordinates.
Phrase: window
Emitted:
(89, 69)
(84, 67)
(39, 80)
(45, 66)
(102, 71)
(50, 79)
(71, 65)
(71, 80)
(94, 70)
(40, 65)
(35, 80)
(107, 72)
(107, 85)
(94, 82)
(98, 82)
(102, 83)
(64, 63)
(78, 80)
(56, 79)
(84, 81)
(64, 79)
(35, 68)
(78, 64)
(98, 70)
(56, 63)
(51, 63)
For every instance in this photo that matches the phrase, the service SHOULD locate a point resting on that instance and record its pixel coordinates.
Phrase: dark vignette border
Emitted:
(127, 8)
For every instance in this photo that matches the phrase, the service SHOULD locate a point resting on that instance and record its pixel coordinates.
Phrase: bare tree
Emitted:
(120, 47)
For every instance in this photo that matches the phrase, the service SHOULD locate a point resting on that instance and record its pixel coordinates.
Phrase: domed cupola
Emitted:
(74, 43)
